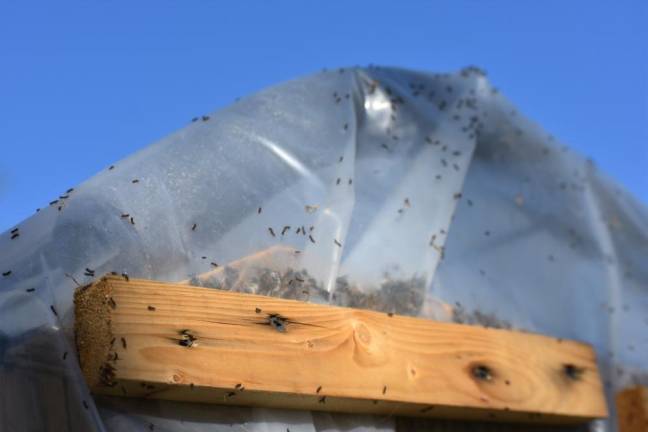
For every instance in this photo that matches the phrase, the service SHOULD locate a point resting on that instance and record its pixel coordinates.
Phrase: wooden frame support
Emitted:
(632, 409)
(140, 338)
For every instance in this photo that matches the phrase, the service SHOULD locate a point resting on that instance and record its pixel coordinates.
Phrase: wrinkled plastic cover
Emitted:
(414, 193)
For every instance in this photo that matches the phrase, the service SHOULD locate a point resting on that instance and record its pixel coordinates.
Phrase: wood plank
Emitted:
(142, 338)
(632, 409)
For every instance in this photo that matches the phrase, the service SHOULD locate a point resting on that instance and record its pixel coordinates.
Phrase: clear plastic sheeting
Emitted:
(348, 187)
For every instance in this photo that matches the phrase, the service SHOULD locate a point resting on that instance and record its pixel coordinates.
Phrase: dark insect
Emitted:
(338, 181)
(13, 231)
(151, 308)
(53, 202)
(341, 159)
(111, 167)
(407, 202)
(31, 289)
(426, 409)
(573, 372)
(123, 341)
(384, 389)
(259, 210)
(89, 272)
(286, 228)
(457, 195)
(277, 322)
(187, 339)
(311, 238)
(298, 279)
(230, 394)
(69, 190)
(205, 118)
(132, 221)
(193, 227)
(482, 372)
(64, 355)
(322, 399)
(390, 314)
(195, 119)
(337, 242)
(14, 235)
(272, 233)
(125, 276)
(64, 196)
(135, 181)
(85, 405)
(7, 273)
(112, 303)
(54, 310)
(257, 310)
(298, 230)
(214, 264)
(318, 389)
(125, 215)
(350, 182)
(346, 126)
(238, 386)
(112, 342)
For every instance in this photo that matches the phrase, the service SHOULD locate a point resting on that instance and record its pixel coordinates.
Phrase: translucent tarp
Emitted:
(348, 187)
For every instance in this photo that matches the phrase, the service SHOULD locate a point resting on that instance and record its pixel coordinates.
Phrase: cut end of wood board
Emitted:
(632, 409)
(93, 334)
(141, 338)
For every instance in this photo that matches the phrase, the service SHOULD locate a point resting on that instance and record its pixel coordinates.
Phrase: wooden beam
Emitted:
(632, 409)
(140, 338)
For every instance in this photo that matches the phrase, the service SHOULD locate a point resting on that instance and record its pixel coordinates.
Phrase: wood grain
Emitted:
(140, 338)
(632, 409)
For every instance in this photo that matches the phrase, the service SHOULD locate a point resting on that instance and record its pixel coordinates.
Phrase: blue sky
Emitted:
(85, 83)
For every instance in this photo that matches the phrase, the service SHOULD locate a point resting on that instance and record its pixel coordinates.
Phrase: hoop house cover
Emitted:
(407, 192)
